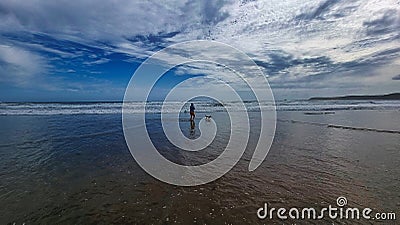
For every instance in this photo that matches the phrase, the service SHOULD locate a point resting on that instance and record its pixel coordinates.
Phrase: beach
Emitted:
(69, 164)
(199, 112)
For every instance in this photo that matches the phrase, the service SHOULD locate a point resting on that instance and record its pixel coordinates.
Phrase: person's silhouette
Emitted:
(192, 114)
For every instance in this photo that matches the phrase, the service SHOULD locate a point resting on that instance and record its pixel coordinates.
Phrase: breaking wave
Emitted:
(72, 108)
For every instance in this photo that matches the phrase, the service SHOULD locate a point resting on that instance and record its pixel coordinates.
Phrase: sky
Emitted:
(88, 50)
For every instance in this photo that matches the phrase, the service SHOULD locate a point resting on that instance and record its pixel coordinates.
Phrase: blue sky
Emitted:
(88, 50)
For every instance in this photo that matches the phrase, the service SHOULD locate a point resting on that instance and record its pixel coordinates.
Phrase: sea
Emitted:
(68, 163)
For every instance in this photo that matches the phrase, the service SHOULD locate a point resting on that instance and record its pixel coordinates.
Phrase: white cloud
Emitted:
(20, 66)
(98, 61)
(344, 32)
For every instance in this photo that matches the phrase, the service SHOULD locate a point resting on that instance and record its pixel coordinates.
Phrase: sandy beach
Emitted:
(76, 168)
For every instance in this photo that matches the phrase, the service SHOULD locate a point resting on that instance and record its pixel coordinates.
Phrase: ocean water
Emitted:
(68, 163)
(68, 108)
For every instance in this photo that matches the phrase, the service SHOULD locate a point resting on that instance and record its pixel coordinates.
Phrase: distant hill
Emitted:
(393, 96)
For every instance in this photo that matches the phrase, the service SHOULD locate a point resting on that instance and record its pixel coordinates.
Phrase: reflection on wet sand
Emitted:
(53, 173)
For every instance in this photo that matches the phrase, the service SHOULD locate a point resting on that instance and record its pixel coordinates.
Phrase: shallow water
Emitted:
(69, 169)
(79, 108)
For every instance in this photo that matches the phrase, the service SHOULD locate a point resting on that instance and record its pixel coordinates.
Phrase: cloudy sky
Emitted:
(88, 50)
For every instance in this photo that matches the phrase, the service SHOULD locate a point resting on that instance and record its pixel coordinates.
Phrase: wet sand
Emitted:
(77, 169)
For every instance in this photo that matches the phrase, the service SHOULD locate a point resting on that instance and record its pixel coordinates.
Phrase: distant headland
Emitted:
(392, 96)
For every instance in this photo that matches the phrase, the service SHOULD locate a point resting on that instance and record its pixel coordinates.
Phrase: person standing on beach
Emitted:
(192, 115)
